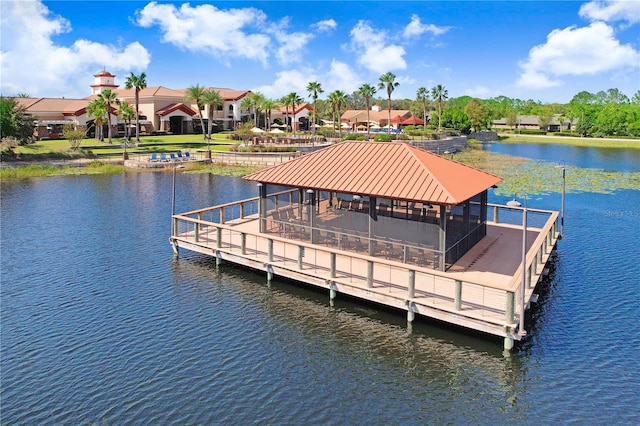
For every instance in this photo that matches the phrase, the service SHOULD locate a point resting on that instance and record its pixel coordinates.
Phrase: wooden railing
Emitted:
(403, 282)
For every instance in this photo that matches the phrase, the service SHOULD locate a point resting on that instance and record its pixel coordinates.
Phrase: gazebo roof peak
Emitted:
(394, 170)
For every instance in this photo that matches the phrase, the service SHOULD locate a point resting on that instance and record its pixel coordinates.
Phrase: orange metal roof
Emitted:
(386, 170)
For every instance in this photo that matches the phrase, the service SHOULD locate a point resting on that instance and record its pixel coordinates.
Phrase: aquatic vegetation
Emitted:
(44, 170)
(224, 169)
(523, 175)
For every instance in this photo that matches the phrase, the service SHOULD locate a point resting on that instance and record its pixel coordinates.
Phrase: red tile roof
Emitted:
(386, 170)
(175, 107)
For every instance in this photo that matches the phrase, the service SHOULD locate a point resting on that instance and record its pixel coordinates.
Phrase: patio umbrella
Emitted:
(276, 131)
(257, 130)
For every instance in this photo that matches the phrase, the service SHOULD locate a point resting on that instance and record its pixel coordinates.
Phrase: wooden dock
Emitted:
(482, 291)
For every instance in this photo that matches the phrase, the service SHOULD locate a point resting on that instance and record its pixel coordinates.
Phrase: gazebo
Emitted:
(412, 121)
(380, 199)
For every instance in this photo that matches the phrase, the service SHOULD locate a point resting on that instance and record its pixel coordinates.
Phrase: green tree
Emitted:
(338, 99)
(243, 130)
(367, 91)
(388, 81)
(195, 94)
(314, 88)
(213, 99)
(292, 99)
(477, 113)
(97, 110)
(137, 82)
(439, 94)
(108, 97)
(15, 121)
(422, 96)
(74, 134)
(126, 113)
(268, 105)
(456, 119)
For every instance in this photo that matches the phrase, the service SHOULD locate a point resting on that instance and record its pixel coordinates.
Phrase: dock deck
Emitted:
(481, 291)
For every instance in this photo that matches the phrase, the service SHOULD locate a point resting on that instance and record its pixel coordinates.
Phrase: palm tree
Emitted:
(97, 110)
(268, 105)
(106, 98)
(248, 104)
(195, 94)
(388, 82)
(213, 99)
(314, 88)
(439, 94)
(137, 82)
(258, 100)
(367, 91)
(337, 99)
(422, 96)
(292, 99)
(126, 112)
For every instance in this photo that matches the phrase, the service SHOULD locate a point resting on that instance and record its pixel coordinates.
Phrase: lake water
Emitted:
(608, 159)
(100, 323)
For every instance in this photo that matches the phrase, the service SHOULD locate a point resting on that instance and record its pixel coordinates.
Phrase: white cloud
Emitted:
(611, 10)
(291, 44)
(341, 77)
(478, 91)
(32, 63)
(325, 26)
(223, 33)
(287, 82)
(416, 28)
(374, 50)
(576, 51)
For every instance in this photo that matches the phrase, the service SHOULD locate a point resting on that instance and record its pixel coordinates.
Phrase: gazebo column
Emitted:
(300, 202)
(372, 218)
(442, 236)
(311, 194)
(262, 207)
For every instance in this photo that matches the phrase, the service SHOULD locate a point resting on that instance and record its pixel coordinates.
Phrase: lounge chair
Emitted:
(163, 157)
(180, 156)
(187, 155)
(173, 157)
(154, 157)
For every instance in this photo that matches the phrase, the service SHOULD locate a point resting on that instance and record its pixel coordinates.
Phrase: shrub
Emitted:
(382, 137)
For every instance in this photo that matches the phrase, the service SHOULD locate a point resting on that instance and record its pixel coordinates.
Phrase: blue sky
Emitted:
(542, 50)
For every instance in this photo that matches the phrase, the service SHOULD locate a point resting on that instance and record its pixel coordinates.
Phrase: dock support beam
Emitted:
(243, 243)
(270, 250)
(508, 344)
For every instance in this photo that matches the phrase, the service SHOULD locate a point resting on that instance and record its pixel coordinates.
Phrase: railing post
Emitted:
(332, 270)
(412, 284)
(458, 296)
(241, 210)
(369, 273)
(243, 243)
(300, 256)
(508, 317)
(218, 237)
(529, 280)
(222, 215)
(196, 231)
(495, 214)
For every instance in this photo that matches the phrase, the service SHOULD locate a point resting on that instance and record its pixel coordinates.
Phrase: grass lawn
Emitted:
(162, 143)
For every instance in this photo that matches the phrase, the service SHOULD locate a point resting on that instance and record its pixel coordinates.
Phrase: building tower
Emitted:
(103, 80)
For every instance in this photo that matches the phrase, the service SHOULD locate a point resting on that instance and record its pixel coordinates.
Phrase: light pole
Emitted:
(515, 203)
(564, 180)
(173, 199)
